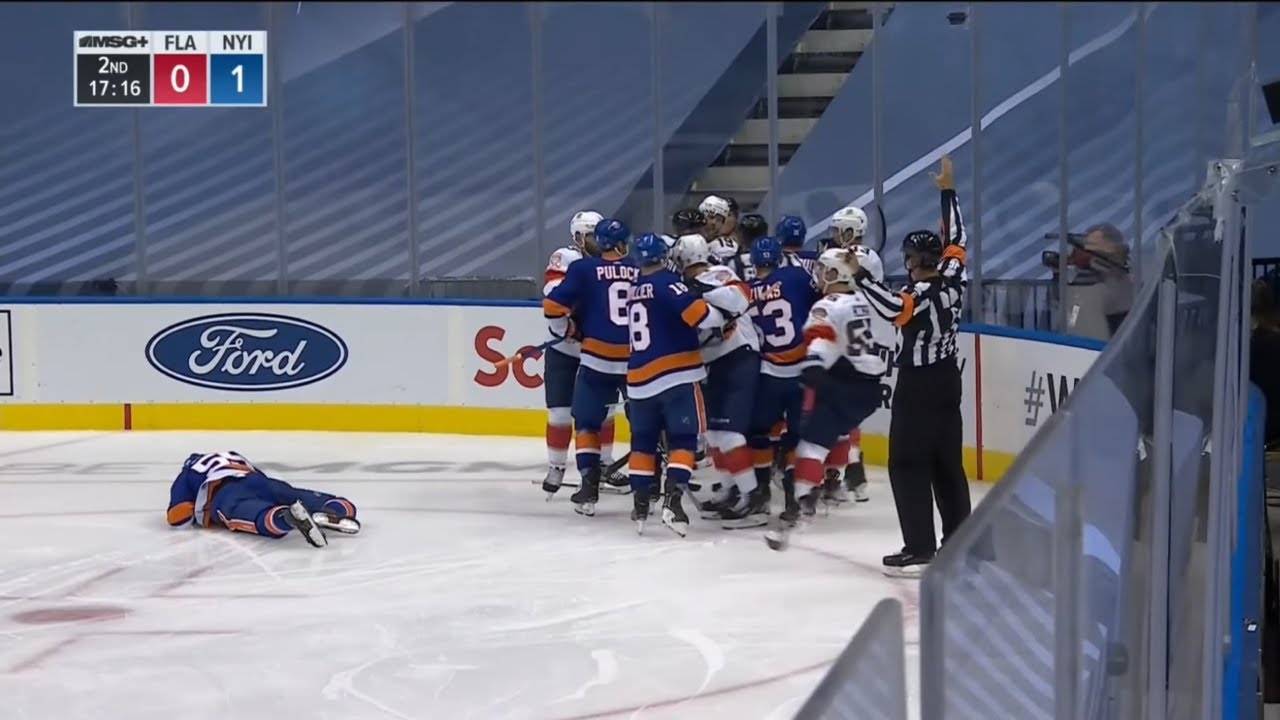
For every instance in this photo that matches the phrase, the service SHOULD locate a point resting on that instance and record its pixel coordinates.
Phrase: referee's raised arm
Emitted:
(925, 427)
(954, 239)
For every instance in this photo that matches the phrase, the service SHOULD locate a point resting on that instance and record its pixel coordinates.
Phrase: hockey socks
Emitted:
(341, 507)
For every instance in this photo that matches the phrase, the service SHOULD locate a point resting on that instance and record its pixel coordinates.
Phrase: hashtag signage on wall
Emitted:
(1023, 385)
(1057, 387)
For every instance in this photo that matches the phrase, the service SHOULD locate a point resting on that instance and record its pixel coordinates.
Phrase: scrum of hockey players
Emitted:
(746, 347)
(719, 337)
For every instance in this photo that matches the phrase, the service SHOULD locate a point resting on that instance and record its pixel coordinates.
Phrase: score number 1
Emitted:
(237, 79)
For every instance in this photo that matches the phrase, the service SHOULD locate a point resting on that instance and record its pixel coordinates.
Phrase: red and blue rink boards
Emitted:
(171, 68)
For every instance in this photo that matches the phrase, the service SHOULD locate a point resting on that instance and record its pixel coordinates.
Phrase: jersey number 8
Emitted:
(639, 328)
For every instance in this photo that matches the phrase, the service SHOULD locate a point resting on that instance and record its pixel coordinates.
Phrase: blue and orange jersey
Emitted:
(594, 291)
(803, 259)
(191, 495)
(665, 316)
(780, 304)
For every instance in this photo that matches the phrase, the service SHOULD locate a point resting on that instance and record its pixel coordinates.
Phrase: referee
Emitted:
(926, 428)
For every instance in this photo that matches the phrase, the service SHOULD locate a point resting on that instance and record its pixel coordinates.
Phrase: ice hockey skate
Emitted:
(298, 518)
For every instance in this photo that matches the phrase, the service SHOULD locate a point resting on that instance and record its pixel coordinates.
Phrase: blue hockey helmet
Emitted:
(791, 231)
(650, 248)
(766, 252)
(612, 234)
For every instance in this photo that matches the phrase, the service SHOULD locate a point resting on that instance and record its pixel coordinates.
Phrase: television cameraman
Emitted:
(1100, 288)
(926, 439)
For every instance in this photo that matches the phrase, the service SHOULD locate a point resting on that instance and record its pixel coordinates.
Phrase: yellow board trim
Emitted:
(358, 418)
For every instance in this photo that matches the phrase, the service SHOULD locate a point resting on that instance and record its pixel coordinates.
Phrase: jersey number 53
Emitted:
(776, 322)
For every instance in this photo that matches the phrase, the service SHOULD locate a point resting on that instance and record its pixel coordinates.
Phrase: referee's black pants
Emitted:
(926, 461)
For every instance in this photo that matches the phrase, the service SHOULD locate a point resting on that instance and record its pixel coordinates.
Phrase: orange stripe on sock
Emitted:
(347, 506)
(642, 463)
(775, 432)
(559, 436)
(809, 471)
(738, 460)
(717, 459)
(682, 458)
(838, 456)
(762, 458)
(587, 440)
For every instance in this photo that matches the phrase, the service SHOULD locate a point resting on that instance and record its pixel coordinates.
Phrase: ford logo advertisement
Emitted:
(247, 352)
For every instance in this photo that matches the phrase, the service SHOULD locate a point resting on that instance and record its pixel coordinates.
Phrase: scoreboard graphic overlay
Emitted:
(171, 68)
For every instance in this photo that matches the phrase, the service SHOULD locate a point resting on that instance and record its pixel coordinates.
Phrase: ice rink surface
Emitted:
(465, 596)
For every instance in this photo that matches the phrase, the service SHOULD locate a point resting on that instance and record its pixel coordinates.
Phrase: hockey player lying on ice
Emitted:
(225, 489)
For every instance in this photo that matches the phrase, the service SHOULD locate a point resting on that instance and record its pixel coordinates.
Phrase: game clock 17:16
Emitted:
(113, 79)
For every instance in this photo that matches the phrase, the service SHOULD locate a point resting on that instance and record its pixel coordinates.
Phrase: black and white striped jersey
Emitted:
(927, 312)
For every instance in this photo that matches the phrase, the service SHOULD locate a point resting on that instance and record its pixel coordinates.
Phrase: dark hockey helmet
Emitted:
(688, 221)
(612, 234)
(923, 245)
(766, 252)
(753, 225)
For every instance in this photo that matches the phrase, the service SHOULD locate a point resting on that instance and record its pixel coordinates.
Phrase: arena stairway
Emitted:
(807, 81)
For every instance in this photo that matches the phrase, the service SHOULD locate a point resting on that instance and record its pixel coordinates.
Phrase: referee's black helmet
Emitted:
(688, 221)
(923, 245)
(753, 225)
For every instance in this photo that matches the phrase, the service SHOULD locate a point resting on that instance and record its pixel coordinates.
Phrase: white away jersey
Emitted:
(731, 297)
(723, 249)
(838, 331)
(884, 334)
(557, 265)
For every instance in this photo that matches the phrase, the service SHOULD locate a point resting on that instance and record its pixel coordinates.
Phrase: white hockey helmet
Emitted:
(833, 267)
(584, 223)
(850, 219)
(714, 205)
(870, 260)
(690, 250)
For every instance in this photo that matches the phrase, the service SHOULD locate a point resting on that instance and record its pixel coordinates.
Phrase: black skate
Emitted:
(329, 521)
(300, 520)
(585, 499)
(808, 506)
(906, 565)
(709, 509)
(673, 512)
(617, 482)
(833, 492)
(855, 480)
(749, 512)
(552, 482)
(798, 510)
(716, 509)
(640, 508)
